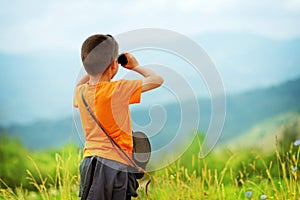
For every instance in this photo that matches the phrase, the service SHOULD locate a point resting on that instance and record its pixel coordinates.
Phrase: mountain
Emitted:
(40, 85)
(250, 61)
(244, 112)
(247, 109)
(43, 134)
(266, 134)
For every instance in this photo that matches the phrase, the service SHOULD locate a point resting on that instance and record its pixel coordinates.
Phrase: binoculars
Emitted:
(122, 60)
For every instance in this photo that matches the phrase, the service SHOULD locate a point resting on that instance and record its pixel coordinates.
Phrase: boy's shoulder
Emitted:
(125, 84)
(121, 84)
(128, 82)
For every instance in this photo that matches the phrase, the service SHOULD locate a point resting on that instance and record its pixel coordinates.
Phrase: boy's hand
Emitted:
(151, 79)
(132, 62)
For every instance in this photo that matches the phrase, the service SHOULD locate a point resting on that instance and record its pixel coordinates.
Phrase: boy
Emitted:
(104, 171)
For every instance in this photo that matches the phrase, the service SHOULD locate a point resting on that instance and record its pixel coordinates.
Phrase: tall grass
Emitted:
(62, 185)
(254, 177)
(247, 174)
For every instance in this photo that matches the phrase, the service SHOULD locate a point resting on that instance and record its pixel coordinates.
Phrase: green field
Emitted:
(245, 174)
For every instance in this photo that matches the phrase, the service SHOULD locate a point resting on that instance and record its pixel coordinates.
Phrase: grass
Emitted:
(243, 175)
(247, 174)
(62, 185)
(175, 182)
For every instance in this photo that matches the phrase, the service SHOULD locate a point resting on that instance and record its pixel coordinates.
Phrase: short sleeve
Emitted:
(75, 97)
(136, 95)
(129, 91)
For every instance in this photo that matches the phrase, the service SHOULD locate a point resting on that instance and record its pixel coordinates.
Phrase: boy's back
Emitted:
(110, 103)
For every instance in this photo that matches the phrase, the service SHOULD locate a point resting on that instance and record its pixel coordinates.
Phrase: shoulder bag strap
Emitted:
(108, 136)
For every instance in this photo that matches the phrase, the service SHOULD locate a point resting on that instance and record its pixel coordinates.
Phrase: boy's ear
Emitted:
(114, 64)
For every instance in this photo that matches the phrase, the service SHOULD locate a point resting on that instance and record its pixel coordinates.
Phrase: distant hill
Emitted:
(252, 60)
(250, 108)
(267, 133)
(244, 112)
(43, 134)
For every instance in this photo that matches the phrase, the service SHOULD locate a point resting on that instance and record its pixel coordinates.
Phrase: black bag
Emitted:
(141, 151)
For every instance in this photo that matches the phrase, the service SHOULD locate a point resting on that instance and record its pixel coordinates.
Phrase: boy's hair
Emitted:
(98, 52)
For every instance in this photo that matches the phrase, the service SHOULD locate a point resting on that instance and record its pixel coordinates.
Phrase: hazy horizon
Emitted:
(253, 45)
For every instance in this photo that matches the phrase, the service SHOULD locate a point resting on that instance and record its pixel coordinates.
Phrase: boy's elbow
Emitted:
(159, 80)
(152, 82)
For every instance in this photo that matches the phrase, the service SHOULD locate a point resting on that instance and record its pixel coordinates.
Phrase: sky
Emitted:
(33, 26)
(40, 41)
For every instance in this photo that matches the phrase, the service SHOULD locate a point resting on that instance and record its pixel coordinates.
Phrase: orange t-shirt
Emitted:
(109, 101)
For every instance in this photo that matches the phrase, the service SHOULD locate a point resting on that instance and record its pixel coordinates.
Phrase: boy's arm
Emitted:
(151, 78)
(84, 80)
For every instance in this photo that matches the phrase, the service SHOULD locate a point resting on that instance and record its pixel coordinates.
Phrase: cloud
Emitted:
(63, 25)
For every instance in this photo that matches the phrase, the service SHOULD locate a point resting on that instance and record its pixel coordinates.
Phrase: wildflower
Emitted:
(249, 194)
(294, 168)
(297, 143)
(263, 196)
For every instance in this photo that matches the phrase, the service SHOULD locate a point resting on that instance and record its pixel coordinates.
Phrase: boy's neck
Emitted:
(99, 78)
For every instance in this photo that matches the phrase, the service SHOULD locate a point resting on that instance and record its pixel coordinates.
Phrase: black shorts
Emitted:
(104, 179)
